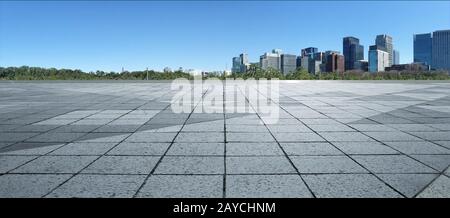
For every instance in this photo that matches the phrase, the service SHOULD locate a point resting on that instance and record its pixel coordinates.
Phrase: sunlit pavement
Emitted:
(332, 139)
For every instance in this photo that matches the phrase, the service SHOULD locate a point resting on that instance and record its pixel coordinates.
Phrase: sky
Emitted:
(109, 35)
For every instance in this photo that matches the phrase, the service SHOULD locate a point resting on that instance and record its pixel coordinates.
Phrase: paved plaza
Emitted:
(124, 139)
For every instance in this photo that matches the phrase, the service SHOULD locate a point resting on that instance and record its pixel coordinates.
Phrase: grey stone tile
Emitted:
(331, 128)
(372, 127)
(30, 148)
(443, 143)
(440, 188)
(326, 164)
(349, 186)
(122, 165)
(8, 163)
(56, 164)
(99, 186)
(288, 128)
(76, 128)
(438, 162)
(56, 137)
(251, 148)
(84, 148)
(392, 164)
(259, 165)
(190, 165)
(200, 137)
(183, 186)
(203, 127)
(29, 186)
(364, 148)
(297, 137)
(310, 148)
(392, 136)
(104, 137)
(249, 137)
(408, 184)
(345, 136)
(247, 128)
(197, 148)
(140, 148)
(117, 128)
(266, 186)
(433, 136)
(15, 136)
(418, 147)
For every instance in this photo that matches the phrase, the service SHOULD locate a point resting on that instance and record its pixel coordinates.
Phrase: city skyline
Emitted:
(198, 35)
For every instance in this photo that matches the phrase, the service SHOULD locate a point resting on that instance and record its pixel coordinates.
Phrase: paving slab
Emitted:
(29, 186)
(99, 186)
(266, 186)
(56, 164)
(349, 186)
(183, 186)
(439, 188)
(258, 165)
(326, 164)
(122, 165)
(191, 165)
(392, 164)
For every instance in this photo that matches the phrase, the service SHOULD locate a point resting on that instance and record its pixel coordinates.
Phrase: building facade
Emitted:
(310, 51)
(378, 59)
(288, 63)
(396, 57)
(385, 41)
(236, 68)
(270, 60)
(441, 50)
(352, 51)
(423, 48)
(335, 63)
(240, 64)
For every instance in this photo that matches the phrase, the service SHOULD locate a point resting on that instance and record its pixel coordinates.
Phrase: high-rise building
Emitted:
(240, 64)
(441, 50)
(335, 63)
(353, 51)
(244, 63)
(378, 59)
(310, 51)
(288, 63)
(236, 65)
(385, 41)
(396, 57)
(271, 60)
(423, 48)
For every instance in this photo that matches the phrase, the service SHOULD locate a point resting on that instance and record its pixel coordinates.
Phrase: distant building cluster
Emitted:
(431, 51)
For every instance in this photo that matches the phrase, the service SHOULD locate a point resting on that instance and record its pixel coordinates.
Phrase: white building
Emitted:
(378, 60)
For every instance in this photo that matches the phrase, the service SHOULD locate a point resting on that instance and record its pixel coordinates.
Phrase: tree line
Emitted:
(256, 72)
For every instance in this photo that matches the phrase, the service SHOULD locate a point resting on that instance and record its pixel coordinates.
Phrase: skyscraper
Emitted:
(335, 63)
(236, 65)
(385, 41)
(422, 48)
(288, 63)
(353, 51)
(240, 64)
(378, 59)
(310, 51)
(396, 57)
(271, 60)
(441, 50)
(244, 62)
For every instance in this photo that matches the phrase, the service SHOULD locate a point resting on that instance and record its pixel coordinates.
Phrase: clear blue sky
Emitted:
(109, 35)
